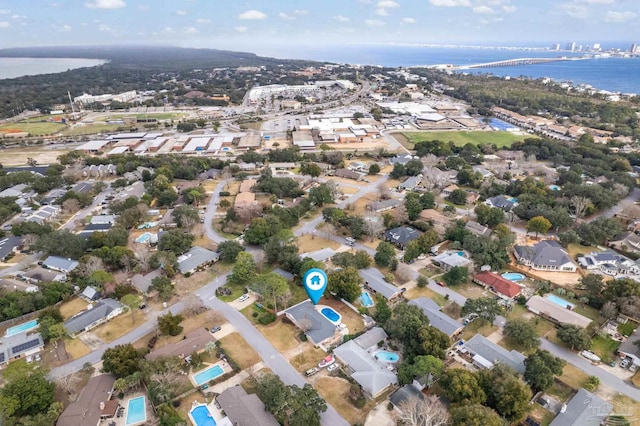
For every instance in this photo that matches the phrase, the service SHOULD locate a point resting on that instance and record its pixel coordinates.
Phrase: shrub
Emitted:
(267, 318)
(255, 314)
(175, 331)
(303, 337)
(224, 193)
(422, 281)
(592, 383)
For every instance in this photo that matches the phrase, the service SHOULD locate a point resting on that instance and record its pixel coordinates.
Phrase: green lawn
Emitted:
(157, 116)
(36, 129)
(627, 329)
(90, 129)
(500, 139)
(604, 347)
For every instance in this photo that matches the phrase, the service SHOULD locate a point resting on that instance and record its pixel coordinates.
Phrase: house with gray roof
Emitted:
(101, 312)
(90, 294)
(374, 282)
(318, 329)
(374, 377)
(555, 312)
(485, 354)
(384, 205)
(61, 264)
(401, 236)
(628, 348)
(244, 409)
(584, 409)
(9, 245)
(401, 159)
(437, 318)
(627, 241)
(143, 282)
(403, 395)
(195, 259)
(410, 183)
(609, 263)
(477, 229)
(319, 255)
(501, 202)
(94, 227)
(19, 345)
(104, 218)
(451, 259)
(39, 274)
(546, 255)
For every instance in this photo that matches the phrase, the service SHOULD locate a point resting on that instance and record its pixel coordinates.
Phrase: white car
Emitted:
(332, 367)
(243, 298)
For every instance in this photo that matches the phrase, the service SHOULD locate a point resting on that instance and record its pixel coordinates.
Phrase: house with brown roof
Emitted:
(196, 341)
(503, 287)
(348, 174)
(244, 409)
(93, 404)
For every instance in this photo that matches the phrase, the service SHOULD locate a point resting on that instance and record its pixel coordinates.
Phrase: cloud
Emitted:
(300, 12)
(483, 10)
(576, 11)
(241, 29)
(619, 17)
(509, 8)
(190, 30)
(374, 23)
(387, 4)
(63, 28)
(106, 4)
(105, 28)
(252, 15)
(283, 15)
(381, 12)
(450, 3)
(203, 21)
(4, 24)
(341, 18)
(409, 20)
(598, 1)
(181, 12)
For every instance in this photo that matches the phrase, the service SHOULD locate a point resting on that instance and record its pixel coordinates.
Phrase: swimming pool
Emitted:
(365, 299)
(501, 125)
(136, 411)
(385, 356)
(143, 238)
(201, 416)
(331, 315)
(208, 374)
(513, 276)
(559, 301)
(460, 253)
(21, 328)
(554, 187)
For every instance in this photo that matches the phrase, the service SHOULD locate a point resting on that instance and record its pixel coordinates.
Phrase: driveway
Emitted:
(91, 340)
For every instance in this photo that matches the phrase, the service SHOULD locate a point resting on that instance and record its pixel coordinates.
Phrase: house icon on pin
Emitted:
(315, 280)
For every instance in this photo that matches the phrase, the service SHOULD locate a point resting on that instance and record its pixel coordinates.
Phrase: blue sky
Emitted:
(261, 25)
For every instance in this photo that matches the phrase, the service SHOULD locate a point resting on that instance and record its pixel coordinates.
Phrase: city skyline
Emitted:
(258, 25)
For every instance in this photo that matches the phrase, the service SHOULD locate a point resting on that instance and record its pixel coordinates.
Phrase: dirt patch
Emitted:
(360, 206)
(306, 358)
(20, 156)
(310, 242)
(336, 392)
(90, 340)
(416, 292)
(283, 336)
(239, 350)
(72, 307)
(118, 327)
(75, 348)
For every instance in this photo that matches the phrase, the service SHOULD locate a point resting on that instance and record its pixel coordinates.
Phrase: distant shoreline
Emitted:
(15, 67)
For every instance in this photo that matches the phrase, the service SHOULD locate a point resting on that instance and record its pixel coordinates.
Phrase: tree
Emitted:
(522, 333)
(273, 287)
(593, 283)
(458, 196)
(131, 301)
(163, 286)
(506, 393)
(461, 387)
(385, 253)
(321, 195)
(185, 216)
(487, 308)
(421, 366)
(374, 169)
(346, 284)
(574, 337)
(26, 390)
(229, 250)
(169, 324)
(244, 270)
(122, 360)
(540, 367)
(490, 216)
(194, 195)
(68, 381)
(311, 169)
(290, 404)
(426, 411)
(175, 241)
(475, 415)
(456, 275)
(539, 225)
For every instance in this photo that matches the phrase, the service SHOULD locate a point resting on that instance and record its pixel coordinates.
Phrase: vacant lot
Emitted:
(478, 327)
(307, 357)
(75, 348)
(72, 307)
(35, 129)
(20, 156)
(310, 242)
(239, 350)
(500, 139)
(118, 327)
(281, 335)
(336, 391)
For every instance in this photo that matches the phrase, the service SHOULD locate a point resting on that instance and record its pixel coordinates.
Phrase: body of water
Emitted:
(18, 67)
(612, 74)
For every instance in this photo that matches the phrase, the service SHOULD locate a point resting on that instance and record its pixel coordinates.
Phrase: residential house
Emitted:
(90, 294)
(15, 191)
(101, 312)
(244, 409)
(403, 395)
(486, 174)
(39, 274)
(401, 159)
(318, 329)
(501, 202)
(44, 214)
(485, 354)
(196, 341)
(83, 187)
(609, 263)
(437, 318)
(348, 174)
(8, 246)
(410, 183)
(359, 166)
(91, 406)
(61, 264)
(546, 255)
(504, 288)
(319, 255)
(627, 241)
(553, 311)
(629, 349)
(195, 259)
(451, 259)
(472, 197)
(143, 282)
(94, 227)
(374, 282)
(358, 357)
(21, 345)
(384, 205)
(477, 229)
(584, 409)
(401, 236)
(449, 189)
(104, 219)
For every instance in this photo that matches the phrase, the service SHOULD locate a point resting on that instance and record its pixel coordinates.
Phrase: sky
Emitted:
(262, 26)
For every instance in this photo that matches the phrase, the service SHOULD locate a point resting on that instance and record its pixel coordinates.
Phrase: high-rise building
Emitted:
(596, 46)
(555, 47)
(634, 48)
(571, 46)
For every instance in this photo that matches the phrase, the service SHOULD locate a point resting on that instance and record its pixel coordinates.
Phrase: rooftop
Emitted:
(320, 328)
(86, 410)
(375, 281)
(437, 318)
(498, 284)
(196, 257)
(492, 352)
(584, 409)
(195, 341)
(244, 409)
(544, 306)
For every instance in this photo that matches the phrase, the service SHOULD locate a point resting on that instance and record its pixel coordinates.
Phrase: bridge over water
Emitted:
(513, 62)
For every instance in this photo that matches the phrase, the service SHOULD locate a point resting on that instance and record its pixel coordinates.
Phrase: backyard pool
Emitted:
(208, 374)
(331, 315)
(201, 416)
(513, 276)
(136, 411)
(365, 299)
(460, 253)
(143, 238)
(385, 356)
(560, 301)
(21, 328)
(554, 187)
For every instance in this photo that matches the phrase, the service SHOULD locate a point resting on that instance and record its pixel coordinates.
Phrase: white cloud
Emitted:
(483, 10)
(203, 21)
(598, 1)
(190, 30)
(341, 18)
(387, 4)
(252, 15)
(576, 11)
(450, 3)
(300, 12)
(374, 23)
(285, 16)
(509, 8)
(409, 20)
(241, 29)
(106, 4)
(105, 28)
(381, 12)
(619, 17)
(4, 24)
(63, 28)
(181, 12)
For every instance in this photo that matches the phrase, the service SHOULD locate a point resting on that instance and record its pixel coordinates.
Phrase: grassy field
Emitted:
(35, 129)
(239, 350)
(500, 139)
(157, 116)
(75, 348)
(119, 326)
(20, 156)
(90, 129)
(282, 336)
(605, 348)
(72, 307)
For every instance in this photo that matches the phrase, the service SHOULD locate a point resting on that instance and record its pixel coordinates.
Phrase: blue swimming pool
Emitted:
(554, 187)
(365, 299)
(559, 301)
(385, 356)
(513, 276)
(143, 238)
(201, 416)
(501, 125)
(136, 411)
(331, 315)
(460, 253)
(21, 328)
(209, 374)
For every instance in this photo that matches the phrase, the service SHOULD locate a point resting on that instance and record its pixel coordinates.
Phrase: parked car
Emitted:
(422, 256)
(311, 371)
(332, 367)
(441, 284)
(215, 329)
(243, 298)
(625, 363)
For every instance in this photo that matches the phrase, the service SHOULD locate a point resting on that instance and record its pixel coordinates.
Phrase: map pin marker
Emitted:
(315, 282)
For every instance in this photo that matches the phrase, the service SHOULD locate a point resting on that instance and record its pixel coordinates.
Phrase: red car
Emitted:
(441, 284)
